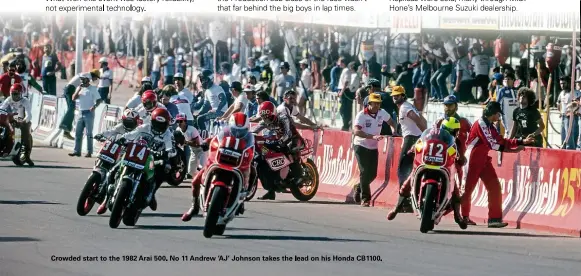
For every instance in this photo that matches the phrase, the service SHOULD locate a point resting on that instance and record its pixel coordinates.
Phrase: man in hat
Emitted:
(105, 86)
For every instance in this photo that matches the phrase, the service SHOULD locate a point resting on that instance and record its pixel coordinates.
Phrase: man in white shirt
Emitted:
(68, 92)
(481, 66)
(236, 69)
(241, 101)
(305, 87)
(464, 81)
(412, 125)
(193, 149)
(105, 86)
(214, 97)
(563, 102)
(289, 108)
(349, 82)
(135, 100)
(366, 128)
(436, 51)
(88, 99)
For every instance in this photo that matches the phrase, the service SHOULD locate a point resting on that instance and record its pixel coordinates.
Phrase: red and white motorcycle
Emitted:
(11, 139)
(224, 187)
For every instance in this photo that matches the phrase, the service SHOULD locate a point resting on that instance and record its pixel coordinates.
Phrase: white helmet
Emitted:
(178, 75)
(145, 79)
(103, 60)
(130, 119)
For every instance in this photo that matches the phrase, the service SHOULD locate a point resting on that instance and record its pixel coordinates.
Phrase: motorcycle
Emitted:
(275, 168)
(95, 188)
(223, 188)
(177, 173)
(128, 198)
(11, 141)
(433, 178)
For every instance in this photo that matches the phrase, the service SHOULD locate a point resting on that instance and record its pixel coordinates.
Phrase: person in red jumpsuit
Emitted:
(484, 137)
(450, 110)
(8, 79)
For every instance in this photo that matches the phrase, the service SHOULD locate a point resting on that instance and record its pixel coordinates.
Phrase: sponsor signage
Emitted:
(469, 22)
(556, 22)
(406, 24)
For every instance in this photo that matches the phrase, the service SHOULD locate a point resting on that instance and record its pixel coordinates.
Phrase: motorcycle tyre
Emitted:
(130, 216)
(296, 191)
(427, 224)
(219, 230)
(174, 181)
(119, 204)
(252, 190)
(19, 158)
(87, 194)
(215, 208)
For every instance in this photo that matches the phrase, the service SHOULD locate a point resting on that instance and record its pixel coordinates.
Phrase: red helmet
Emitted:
(267, 112)
(16, 88)
(160, 121)
(149, 100)
(181, 117)
(239, 125)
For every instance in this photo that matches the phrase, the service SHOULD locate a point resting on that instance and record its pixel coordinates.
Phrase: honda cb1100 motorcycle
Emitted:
(274, 167)
(433, 178)
(10, 139)
(95, 188)
(129, 197)
(224, 186)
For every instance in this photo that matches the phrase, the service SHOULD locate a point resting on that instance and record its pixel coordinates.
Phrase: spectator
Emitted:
(169, 66)
(50, 65)
(438, 53)
(179, 83)
(156, 67)
(283, 82)
(349, 82)
(105, 86)
(464, 82)
(262, 96)
(305, 87)
(236, 69)
(89, 99)
(8, 79)
(527, 120)
(405, 78)
(252, 108)
(336, 74)
(367, 128)
(507, 97)
(374, 86)
(241, 101)
(563, 102)
(68, 91)
(135, 101)
(167, 93)
(481, 66)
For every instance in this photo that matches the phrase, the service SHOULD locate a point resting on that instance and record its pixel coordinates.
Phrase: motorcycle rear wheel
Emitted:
(119, 204)
(86, 200)
(427, 223)
(311, 169)
(215, 208)
(252, 190)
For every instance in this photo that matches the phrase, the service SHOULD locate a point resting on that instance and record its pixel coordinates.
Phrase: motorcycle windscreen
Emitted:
(233, 150)
(436, 145)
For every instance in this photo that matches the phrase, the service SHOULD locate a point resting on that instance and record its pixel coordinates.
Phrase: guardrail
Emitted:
(541, 187)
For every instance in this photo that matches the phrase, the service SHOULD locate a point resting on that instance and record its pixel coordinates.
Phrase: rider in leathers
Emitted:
(15, 103)
(129, 122)
(162, 144)
(148, 104)
(289, 138)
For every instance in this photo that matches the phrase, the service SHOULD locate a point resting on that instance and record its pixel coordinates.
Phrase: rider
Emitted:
(162, 143)
(193, 141)
(15, 103)
(289, 138)
(148, 105)
(214, 97)
(238, 127)
(129, 121)
(446, 127)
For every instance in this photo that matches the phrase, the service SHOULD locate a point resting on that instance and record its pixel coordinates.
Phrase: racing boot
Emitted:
(150, 199)
(102, 208)
(270, 195)
(457, 214)
(297, 171)
(404, 194)
(240, 210)
(193, 211)
(468, 221)
(27, 159)
(496, 223)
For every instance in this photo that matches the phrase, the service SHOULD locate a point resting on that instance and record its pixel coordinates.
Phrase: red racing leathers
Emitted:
(484, 137)
(460, 141)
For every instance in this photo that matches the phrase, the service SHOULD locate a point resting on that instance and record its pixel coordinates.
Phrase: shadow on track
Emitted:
(24, 202)
(17, 239)
(321, 202)
(194, 227)
(188, 186)
(500, 234)
(44, 167)
(291, 238)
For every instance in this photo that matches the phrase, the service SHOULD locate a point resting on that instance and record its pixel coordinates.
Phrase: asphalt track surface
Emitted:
(38, 220)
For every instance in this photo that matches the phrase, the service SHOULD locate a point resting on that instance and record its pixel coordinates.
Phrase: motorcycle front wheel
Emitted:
(119, 203)
(252, 189)
(177, 175)
(306, 192)
(86, 200)
(427, 223)
(215, 208)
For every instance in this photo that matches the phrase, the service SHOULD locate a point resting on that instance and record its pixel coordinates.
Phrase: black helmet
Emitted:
(492, 108)
(372, 82)
(206, 77)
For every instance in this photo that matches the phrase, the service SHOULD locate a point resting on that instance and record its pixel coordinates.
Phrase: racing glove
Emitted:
(99, 137)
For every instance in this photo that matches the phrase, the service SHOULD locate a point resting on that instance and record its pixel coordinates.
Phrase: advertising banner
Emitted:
(48, 118)
(469, 22)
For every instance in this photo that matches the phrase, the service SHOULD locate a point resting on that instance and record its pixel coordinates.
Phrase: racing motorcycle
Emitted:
(95, 188)
(128, 198)
(276, 167)
(223, 188)
(177, 173)
(433, 178)
(11, 141)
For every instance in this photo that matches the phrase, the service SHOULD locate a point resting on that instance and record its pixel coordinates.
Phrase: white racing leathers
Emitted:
(117, 131)
(145, 115)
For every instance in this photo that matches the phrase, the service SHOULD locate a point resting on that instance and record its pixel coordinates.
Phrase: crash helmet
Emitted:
(145, 80)
(160, 121)
(178, 76)
(206, 78)
(16, 91)
(267, 112)
(149, 100)
(130, 119)
(372, 82)
(451, 125)
(239, 125)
